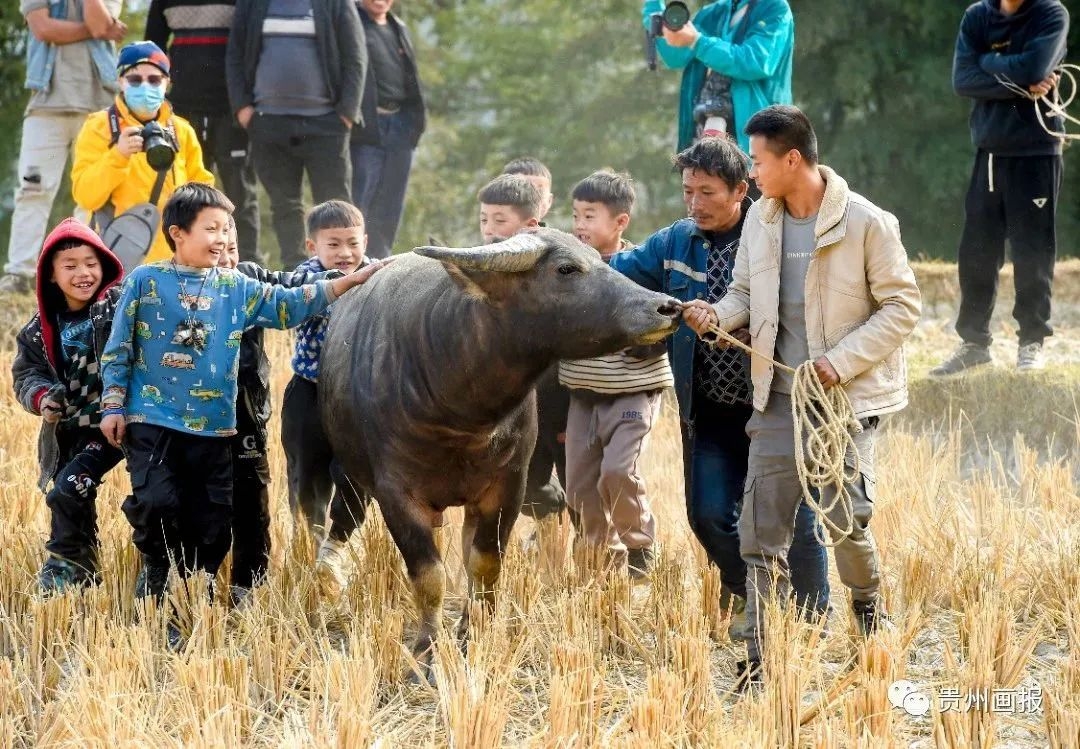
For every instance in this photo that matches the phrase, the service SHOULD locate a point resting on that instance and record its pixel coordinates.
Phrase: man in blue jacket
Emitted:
(736, 60)
(693, 259)
(1006, 55)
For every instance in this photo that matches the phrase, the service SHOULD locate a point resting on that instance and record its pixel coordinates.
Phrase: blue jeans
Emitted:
(716, 473)
(380, 178)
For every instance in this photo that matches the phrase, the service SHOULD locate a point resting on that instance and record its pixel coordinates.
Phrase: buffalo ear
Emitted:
(490, 287)
(462, 280)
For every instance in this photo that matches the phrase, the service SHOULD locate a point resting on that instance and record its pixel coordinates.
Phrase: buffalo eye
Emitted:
(568, 269)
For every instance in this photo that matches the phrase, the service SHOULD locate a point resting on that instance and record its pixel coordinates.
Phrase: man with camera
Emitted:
(130, 157)
(736, 60)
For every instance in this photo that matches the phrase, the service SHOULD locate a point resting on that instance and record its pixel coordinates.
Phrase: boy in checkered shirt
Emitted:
(56, 376)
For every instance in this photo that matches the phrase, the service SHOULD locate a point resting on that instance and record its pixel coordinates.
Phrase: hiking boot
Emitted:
(967, 356)
(639, 563)
(330, 567)
(870, 617)
(59, 576)
(1029, 358)
(11, 283)
(153, 578)
(749, 677)
(239, 596)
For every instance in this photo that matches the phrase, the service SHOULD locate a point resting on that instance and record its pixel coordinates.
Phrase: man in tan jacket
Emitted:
(821, 275)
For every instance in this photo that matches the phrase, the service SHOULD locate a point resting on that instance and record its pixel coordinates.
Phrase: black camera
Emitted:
(674, 16)
(159, 145)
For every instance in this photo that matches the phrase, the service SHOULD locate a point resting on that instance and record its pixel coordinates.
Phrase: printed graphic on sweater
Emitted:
(310, 335)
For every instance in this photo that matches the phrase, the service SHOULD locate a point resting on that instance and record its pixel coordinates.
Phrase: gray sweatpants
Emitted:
(605, 436)
(771, 498)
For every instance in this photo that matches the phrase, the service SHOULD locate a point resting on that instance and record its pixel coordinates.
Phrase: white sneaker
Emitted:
(331, 567)
(1029, 358)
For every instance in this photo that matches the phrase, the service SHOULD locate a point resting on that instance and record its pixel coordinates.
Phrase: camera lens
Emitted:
(676, 15)
(159, 150)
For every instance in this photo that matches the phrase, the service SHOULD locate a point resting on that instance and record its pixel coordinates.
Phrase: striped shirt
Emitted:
(289, 78)
(617, 374)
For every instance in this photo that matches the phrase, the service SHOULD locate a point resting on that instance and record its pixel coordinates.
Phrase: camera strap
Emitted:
(114, 125)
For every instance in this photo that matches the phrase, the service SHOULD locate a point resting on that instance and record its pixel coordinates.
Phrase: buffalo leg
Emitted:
(485, 534)
(413, 533)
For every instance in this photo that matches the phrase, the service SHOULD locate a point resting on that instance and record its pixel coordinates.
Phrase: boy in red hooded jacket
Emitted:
(56, 376)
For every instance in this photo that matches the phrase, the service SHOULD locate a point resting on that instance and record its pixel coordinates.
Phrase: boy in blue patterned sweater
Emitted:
(336, 239)
(170, 382)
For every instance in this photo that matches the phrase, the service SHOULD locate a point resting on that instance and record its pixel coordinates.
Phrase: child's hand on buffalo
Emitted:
(358, 277)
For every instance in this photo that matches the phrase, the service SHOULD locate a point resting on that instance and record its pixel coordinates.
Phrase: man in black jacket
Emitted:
(296, 71)
(393, 121)
(199, 32)
(1006, 55)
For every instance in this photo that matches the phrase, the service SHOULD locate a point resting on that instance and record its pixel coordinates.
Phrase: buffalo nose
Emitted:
(671, 308)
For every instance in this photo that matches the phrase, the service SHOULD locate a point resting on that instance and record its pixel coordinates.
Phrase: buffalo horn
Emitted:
(514, 255)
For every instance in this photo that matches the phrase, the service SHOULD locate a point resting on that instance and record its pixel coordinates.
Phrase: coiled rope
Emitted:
(824, 423)
(1055, 102)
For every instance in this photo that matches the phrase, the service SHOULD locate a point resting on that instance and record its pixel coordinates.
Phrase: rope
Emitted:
(824, 422)
(1054, 102)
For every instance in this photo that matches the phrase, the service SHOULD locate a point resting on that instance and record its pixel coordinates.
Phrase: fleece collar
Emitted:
(831, 223)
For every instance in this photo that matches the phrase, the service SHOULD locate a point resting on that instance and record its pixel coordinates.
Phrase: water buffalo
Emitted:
(426, 387)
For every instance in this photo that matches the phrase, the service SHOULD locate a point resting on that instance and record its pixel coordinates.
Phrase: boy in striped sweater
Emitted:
(614, 401)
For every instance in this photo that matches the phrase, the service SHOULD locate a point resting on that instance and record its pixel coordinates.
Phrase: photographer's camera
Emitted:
(159, 145)
(674, 16)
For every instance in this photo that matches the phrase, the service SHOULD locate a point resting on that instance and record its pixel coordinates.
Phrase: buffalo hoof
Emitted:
(420, 674)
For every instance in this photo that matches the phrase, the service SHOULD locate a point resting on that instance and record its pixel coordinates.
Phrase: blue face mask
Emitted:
(144, 100)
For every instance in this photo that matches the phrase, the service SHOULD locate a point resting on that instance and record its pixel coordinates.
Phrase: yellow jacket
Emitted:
(102, 175)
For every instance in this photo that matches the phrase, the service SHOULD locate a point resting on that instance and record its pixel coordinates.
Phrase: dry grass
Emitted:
(979, 529)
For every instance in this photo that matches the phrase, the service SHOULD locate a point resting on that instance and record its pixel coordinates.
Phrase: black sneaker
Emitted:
(639, 563)
(240, 596)
(967, 356)
(869, 617)
(58, 576)
(153, 578)
(174, 638)
(749, 677)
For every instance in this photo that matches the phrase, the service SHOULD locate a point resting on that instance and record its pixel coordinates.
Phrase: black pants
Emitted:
(181, 506)
(380, 179)
(284, 148)
(85, 457)
(316, 481)
(225, 148)
(251, 502)
(1013, 198)
(544, 493)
